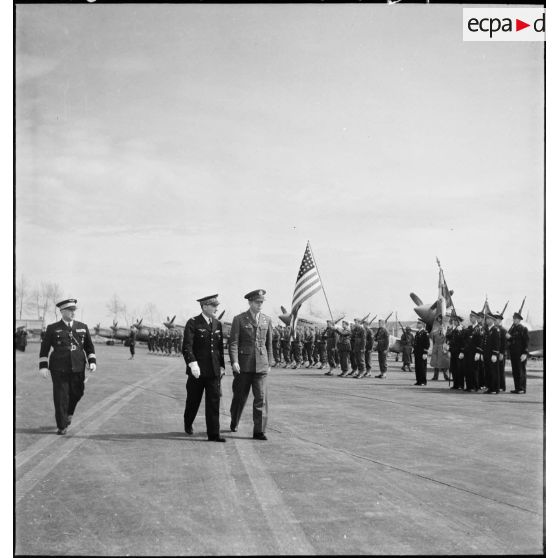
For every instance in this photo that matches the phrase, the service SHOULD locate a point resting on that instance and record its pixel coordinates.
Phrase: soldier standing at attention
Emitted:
(322, 348)
(276, 341)
(286, 346)
(491, 352)
(440, 358)
(502, 356)
(250, 352)
(359, 348)
(368, 345)
(72, 348)
(132, 342)
(518, 337)
(344, 348)
(296, 347)
(407, 340)
(330, 335)
(203, 352)
(382, 346)
(455, 338)
(420, 349)
(352, 359)
(309, 345)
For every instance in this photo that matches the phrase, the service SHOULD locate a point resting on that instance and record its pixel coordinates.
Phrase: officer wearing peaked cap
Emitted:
(250, 351)
(202, 348)
(518, 339)
(72, 348)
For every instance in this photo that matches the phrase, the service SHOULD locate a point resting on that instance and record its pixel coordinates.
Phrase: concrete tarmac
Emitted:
(351, 466)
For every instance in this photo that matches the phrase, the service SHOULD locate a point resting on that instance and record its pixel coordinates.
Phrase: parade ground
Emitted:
(366, 466)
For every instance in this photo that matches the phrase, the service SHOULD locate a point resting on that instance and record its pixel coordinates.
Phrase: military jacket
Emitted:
(250, 343)
(359, 338)
(331, 337)
(407, 339)
(456, 339)
(421, 342)
(344, 339)
(203, 343)
(369, 339)
(382, 339)
(492, 345)
(503, 341)
(519, 339)
(71, 348)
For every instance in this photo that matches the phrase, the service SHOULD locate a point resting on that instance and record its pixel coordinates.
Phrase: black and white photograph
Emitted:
(223, 216)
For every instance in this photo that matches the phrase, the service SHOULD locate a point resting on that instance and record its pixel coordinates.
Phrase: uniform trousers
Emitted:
(67, 390)
(471, 371)
(382, 360)
(420, 369)
(358, 357)
(194, 392)
(491, 374)
(132, 349)
(519, 371)
(502, 372)
(331, 357)
(368, 359)
(276, 352)
(241, 389)
(309, 352)
(456, 370)
(407, 352)
(286, 348)
(344, 357)
(353, 360)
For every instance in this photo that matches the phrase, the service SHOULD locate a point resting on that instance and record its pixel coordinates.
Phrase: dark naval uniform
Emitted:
(456, 340)
(492, 349)
(368, 350)
(519, 345)
(502, 357)
(71, 348)
(250, 345)
(421, 345)
(203, 343)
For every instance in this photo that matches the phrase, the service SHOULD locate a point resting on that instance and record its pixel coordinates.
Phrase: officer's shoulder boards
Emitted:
(58, 330)
(81, 329)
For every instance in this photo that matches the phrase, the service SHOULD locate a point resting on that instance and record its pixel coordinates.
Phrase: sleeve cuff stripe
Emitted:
(92, 355)
(43, 360)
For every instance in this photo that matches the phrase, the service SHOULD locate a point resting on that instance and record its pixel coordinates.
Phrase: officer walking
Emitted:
(250, 351)
(72, 348)
(203, 352)
(421, 345)
(382, 345)
(518, 338)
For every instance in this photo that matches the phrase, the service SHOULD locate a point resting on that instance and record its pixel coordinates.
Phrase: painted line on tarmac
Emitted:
(283, 525)
(50, 462)
(400, 469)
(28, 453)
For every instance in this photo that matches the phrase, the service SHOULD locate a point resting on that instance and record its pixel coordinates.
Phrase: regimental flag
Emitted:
(307, 284)
(445, 303)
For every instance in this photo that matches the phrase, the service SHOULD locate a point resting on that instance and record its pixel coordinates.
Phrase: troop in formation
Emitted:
(473, 357)
(165, 342)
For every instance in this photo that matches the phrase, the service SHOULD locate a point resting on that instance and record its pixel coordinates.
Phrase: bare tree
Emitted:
(21, 295)
(152, 313)
(116, 307)
(54, 293)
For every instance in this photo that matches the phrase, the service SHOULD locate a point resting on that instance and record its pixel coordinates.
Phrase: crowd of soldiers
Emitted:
(349, 345)
(165, 342)
(474, 357)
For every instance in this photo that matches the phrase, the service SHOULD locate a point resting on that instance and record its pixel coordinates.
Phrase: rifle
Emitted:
(520, 310)
(338, 320)
(505, 308)
(386, 320)
(364, 319)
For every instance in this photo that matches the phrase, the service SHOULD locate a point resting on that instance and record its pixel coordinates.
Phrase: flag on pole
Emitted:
(308, 283)
(444, 298)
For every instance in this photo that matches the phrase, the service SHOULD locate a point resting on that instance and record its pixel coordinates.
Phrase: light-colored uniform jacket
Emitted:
(251, 343)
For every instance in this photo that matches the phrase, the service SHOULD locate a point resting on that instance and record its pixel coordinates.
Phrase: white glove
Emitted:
(44, 372)
(461, 356)
(195, 369)
(268, 369)
(494, 358)
(477, 356)
(424, 357)
(500, 356)
(223, 372)
(92, 367)
(236, 367)
(508, 336)
(523, 358)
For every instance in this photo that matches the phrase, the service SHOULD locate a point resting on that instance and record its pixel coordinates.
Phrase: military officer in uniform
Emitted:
(359, 345)
(382, 345)
(491, 353)
(455, 338)
(331, 344)
(421, 344)
(407, 340)
(132, 342)
(502, 356)
(72, 348)
(518, 338)
(344, 348)
(286, 346)
(368, 349)
(250, 351)
(202, 348)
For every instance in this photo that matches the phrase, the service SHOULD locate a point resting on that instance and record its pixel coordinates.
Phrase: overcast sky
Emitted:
(169, 152)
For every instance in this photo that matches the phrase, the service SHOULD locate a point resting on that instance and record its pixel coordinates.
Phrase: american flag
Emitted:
(307, 284)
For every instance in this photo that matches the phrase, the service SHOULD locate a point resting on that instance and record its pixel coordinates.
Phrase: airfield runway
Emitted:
(351, 466)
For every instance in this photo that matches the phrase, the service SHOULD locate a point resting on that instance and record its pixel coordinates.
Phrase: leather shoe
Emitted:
(188, 430)
(259, 436)
(234, 428)
(61, 431)
(70, 417)
(216, 439)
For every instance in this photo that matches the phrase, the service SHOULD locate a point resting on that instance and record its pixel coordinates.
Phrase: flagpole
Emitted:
(318, 271)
